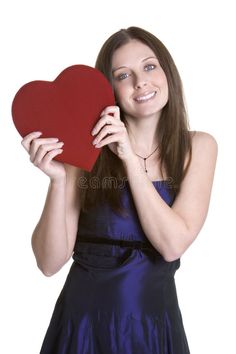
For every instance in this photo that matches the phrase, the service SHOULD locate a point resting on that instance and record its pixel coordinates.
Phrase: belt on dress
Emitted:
(123, 243)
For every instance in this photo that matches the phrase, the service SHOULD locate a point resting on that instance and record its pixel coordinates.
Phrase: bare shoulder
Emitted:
(204, 155)
(203, 140)
(203, 145)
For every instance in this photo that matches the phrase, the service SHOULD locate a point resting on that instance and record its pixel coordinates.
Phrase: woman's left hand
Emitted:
(118, 139)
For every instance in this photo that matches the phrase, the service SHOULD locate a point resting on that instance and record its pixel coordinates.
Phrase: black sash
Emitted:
(123, 243)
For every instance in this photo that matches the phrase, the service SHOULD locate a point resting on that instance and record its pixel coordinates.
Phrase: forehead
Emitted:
(130, 53)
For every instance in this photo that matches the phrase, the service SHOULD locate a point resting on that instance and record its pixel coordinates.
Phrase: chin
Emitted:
(145, 112)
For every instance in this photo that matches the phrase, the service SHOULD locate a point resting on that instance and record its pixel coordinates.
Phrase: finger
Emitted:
(112, 109)
(110, 139)
(36, 143)
(43, 150)
(107, 130)
(28, 139)
(47, 158)
(106, 120)
(50, 155)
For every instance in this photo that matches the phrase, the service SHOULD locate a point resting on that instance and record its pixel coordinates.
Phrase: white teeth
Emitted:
(147, 97)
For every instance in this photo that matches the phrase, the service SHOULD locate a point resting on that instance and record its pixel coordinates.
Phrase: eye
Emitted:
(149, 67)
(122, 76)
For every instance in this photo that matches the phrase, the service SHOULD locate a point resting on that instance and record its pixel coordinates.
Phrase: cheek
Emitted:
(163, 83)
(120, 92)
(165, 91)
(161, 78)
(121, 96)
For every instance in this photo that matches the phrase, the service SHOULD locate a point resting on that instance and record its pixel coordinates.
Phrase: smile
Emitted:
(145, 98)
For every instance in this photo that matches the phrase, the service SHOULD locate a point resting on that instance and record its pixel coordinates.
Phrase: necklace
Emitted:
(145, 158)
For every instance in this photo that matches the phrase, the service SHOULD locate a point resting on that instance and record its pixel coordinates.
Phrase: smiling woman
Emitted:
(148, 90)
(126, 239)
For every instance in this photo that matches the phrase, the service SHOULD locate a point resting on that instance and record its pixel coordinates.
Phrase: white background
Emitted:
(41, 38)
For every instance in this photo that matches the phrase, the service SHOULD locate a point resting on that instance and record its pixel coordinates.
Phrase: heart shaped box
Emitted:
(66, 108)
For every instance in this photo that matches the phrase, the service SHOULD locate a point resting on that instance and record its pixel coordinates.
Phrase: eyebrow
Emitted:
(120, 67)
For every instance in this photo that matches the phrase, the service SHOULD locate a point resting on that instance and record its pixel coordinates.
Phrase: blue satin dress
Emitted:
(120, 295)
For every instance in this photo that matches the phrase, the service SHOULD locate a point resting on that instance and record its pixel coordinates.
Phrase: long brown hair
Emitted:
(107, 178)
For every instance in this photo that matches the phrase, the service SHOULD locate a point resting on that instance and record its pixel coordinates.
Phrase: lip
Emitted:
(145, 96)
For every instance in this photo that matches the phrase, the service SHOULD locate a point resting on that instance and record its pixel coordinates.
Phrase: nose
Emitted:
(140, 81)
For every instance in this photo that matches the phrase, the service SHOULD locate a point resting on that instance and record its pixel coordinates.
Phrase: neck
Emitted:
(142, 135)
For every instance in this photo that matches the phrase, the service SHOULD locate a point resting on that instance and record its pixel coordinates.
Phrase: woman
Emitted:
(126, 239)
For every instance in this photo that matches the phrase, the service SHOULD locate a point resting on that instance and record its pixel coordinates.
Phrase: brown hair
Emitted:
(172, 131)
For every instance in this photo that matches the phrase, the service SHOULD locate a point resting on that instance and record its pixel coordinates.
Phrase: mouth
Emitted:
(146, 97)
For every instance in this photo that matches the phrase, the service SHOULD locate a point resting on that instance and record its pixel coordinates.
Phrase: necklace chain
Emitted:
(145, 158)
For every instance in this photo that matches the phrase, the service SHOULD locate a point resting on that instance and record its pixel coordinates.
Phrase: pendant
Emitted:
(145, 165)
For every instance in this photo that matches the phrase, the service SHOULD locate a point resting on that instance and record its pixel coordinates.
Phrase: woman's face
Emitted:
(140, 84)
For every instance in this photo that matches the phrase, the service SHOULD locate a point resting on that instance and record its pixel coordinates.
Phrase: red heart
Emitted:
(66, 108)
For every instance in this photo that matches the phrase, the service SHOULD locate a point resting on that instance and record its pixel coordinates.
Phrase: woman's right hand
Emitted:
(42, 151)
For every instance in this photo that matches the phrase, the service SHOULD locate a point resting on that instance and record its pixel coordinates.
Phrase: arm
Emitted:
(54, 236)
(171, 230)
